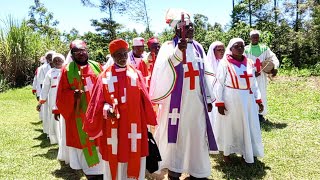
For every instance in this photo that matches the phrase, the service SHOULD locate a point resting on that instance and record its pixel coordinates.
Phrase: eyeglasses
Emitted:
(219, 50)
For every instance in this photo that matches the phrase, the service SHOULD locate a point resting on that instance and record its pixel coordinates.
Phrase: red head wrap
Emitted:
(117, 44)
(152, 40)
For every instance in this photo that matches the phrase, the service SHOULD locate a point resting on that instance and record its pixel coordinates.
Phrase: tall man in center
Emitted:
(183, 90)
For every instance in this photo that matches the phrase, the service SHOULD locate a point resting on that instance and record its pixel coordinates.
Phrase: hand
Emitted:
(260, 107)
(274, 72)
(77, 94)
(257, 74)
(57, 117)
(38, 107)
(111, 114)
(182, 44)
(221, 110)
(209, 105)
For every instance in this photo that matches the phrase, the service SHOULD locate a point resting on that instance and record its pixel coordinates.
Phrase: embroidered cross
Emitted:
(133, 76)
(89, 85)
(247, 77)
(123, 98)
(110, 80)
(174, 116)
(88, 145)
(113, 141)
(258, 65)
(134, 136)
(191, 73)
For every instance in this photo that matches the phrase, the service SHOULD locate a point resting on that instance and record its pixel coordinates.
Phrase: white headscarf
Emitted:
(58, 55)
(231, 43)
(173, 16)
(254, 32)
(213, 61)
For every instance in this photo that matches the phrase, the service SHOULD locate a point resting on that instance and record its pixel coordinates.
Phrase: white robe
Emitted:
(263, 78)
(78, 161)
(239, 130)
(122, 170)
(49, 93)
(63, 152)
(190, 154)
(42, 71)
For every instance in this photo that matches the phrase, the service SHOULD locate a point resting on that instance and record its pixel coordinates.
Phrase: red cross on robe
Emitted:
(247, 77)
(191, 73)
(258, 65)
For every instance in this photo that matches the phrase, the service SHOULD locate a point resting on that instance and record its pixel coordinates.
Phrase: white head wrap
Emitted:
(173, 17)
(231, 43)
(49, 52)
(138, 41)
(58, 55)
(254, 32)
(213, 61)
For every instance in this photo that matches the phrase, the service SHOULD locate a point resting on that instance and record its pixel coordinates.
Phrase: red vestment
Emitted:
(128, 87)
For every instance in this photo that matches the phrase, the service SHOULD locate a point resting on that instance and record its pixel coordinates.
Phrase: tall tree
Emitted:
(41, 20)
(138, 11)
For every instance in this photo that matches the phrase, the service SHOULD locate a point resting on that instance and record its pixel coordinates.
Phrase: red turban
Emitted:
(78, 44)
(151, 41)
(118, 44)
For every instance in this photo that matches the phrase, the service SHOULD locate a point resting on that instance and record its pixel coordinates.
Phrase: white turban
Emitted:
(58, 55)
(173, 17)
(231, 43)
(254, 32)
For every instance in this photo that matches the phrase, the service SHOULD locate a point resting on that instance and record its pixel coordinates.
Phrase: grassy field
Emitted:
(291, 137)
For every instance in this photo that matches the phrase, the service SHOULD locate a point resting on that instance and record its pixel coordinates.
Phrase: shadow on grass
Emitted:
(36, 123)
(65, 172)
(51, 154)
(269, 125)
(240, 170)
(45, 142)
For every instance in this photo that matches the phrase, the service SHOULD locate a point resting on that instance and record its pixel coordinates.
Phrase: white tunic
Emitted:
(238, 131)
(49, 93)
(42, 71)
(265, 54)
(190, 154)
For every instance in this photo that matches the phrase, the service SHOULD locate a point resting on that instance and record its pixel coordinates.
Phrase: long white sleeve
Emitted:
(45, 87)
(221, 78)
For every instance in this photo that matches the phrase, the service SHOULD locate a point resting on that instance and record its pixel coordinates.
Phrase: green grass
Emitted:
(291, 138)
(26, 152)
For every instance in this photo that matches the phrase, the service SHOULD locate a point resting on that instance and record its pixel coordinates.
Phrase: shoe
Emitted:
(261, 118)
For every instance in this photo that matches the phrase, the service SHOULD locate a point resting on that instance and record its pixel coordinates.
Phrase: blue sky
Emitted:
(71, 13)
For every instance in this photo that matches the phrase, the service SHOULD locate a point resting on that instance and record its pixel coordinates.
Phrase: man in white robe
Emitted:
(42, 71)
(183, 90)
(258, 53)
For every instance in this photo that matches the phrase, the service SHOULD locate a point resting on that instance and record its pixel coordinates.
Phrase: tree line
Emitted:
(291, 28)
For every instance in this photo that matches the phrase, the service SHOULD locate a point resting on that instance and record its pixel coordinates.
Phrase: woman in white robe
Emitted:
(214, 55)
(237, 127)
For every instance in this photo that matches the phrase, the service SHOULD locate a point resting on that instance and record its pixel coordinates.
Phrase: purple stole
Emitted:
(175, 102)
